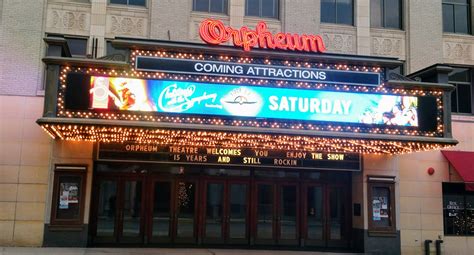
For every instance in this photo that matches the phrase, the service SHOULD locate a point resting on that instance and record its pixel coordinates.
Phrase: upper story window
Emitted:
(337, 11)
(262, 8)
(462, 95)
(386, 13)
(456, 16)
(458, 210)
(129, 2)
(215, 6)
(77, 46)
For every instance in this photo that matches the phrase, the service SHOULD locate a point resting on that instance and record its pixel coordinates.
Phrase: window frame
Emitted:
(383, 15)
(335, 14)
(377, 181)
(115, 51)
(68, 37)
(129, 5)
(226, 11)
(464, 195)
(455, 84)
(277, 9)
(469, 25)
(74, 170)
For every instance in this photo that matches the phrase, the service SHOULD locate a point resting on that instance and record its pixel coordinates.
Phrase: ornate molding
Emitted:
(381, 46)
(457, 51)
(125, 25)
(62, 19)
(386, 42)
(340, 43)
(339, 39)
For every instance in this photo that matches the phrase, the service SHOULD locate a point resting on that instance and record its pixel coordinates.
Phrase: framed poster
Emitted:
(381, 197)
(68, 195)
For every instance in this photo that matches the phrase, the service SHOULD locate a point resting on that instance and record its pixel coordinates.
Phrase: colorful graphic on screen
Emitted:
(196, 98)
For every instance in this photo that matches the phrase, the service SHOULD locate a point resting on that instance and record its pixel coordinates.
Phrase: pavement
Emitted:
(150, 251)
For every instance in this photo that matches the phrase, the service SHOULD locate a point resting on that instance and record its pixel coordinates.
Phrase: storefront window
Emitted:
(458, 210)
(68, 195)
(381, 201)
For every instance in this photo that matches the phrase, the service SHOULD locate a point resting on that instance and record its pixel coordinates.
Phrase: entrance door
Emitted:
(161, 211)
(314, 215)
(337, 217)
(225, 216)
(276, 213)
(184, 224)
(172, 214)
(119, 210)
(325, 217)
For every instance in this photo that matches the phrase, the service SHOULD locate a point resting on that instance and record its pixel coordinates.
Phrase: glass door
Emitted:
(119, 210)
(276, 216)
(225, 212)
(237, 212)
(185, 211)
(131, 211)
(106, 213)
(214, 217)
(161, 211)
(337, 217)
(287, 215)
(325, 215)
(314, 215)
(264, 214)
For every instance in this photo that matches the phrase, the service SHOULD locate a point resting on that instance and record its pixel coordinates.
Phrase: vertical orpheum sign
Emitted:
(215, 32)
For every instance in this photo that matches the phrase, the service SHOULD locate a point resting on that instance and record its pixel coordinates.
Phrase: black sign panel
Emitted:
(202, 67)
(230, 156)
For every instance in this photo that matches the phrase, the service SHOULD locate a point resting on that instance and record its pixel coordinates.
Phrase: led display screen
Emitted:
(195, 98)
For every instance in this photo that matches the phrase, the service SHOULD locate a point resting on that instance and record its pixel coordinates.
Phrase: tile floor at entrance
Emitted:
(149, 251)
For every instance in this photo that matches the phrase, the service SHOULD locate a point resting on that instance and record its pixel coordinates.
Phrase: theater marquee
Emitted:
(217, 98)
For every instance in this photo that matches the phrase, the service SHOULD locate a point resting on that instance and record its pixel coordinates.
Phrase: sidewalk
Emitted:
(149, 251)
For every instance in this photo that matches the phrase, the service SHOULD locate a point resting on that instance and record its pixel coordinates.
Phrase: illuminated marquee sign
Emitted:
(215, 32)
(216, 68)
(230, 156)
(257, 102)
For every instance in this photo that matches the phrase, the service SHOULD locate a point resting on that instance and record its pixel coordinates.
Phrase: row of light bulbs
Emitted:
(231, 140)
